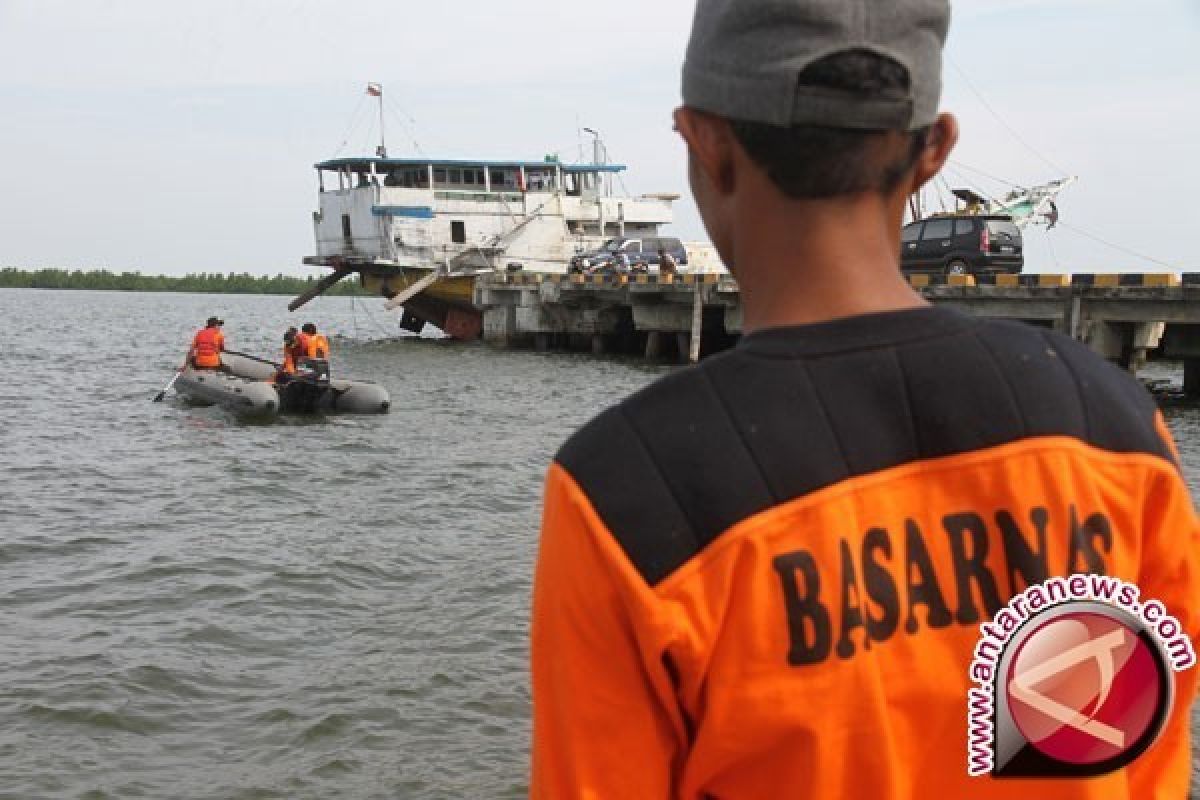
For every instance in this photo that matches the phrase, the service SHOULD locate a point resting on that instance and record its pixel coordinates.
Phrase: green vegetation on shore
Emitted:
(213, 283)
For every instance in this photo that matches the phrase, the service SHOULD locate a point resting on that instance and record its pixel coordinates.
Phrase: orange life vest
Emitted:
(317, 346)
(206, 348)
(296, 351)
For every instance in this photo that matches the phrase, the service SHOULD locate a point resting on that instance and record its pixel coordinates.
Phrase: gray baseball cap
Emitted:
(745, 55)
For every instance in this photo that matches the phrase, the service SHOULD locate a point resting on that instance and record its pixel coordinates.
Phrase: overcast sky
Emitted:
(169, 136)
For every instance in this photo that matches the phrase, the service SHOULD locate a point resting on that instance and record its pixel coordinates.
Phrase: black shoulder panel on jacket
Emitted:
(677, 464)
(612, 465)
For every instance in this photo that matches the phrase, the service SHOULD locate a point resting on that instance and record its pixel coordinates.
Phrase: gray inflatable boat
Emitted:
(240, 395)
(244, 386)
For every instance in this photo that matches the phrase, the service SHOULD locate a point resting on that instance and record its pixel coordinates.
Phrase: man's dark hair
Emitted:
(309, 328)
(809, 162)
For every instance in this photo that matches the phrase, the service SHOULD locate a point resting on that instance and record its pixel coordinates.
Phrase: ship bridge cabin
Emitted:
(469, 216)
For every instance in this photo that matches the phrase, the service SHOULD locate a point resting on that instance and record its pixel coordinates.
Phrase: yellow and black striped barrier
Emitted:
(1097, 280)
(1045, 280)
(1116, 280)
(637, 278)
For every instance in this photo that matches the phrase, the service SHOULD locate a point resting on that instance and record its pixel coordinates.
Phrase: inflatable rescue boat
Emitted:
(245, 386)
(241, 395)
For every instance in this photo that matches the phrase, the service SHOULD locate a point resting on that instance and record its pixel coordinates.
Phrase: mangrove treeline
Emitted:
(210, 282)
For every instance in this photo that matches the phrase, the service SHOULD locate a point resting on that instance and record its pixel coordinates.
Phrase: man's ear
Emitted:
(942, 137)
(711, 142)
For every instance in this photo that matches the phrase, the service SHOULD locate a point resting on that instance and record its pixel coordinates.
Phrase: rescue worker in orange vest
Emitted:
(768, 575)
(207, 345)
(316, 347)
(295, 347)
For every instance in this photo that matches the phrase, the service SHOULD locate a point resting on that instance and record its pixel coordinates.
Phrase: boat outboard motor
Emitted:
(313, 369)
(301, 395)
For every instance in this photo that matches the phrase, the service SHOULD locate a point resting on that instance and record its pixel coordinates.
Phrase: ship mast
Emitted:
(600, 158)
(376, 90)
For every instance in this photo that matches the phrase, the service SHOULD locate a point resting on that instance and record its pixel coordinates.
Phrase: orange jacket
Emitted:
(764, 576)
(207, 345)
(317, 346)
(291, 356)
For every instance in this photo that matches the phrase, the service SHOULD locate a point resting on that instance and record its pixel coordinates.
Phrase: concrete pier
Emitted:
(1127, 318)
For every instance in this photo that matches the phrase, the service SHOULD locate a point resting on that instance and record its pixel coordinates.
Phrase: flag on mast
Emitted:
(375, 89)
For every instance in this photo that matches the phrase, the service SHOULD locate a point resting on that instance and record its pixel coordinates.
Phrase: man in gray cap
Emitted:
(765, 575)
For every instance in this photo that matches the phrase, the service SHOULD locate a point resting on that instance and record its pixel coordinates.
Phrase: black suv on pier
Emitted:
(962, 244)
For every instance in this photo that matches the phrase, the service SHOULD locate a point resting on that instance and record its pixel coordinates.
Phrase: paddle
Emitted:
(253, 358)
(159, 397)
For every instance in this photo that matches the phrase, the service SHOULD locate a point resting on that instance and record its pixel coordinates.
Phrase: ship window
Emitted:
(540, 179)
(456, 176)
(439, 176)
(458, 231)
(346, 234)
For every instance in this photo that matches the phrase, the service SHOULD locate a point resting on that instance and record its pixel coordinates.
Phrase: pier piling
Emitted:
(653, 345)
(697, 325)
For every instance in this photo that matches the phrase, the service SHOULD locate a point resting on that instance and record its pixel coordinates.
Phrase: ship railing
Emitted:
(481, 197)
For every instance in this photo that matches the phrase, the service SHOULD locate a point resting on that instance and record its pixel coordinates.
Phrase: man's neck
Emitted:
(800, 262)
